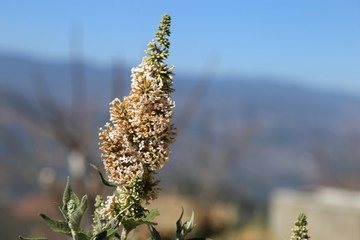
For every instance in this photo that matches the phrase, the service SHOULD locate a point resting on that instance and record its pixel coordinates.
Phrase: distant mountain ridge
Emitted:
(283, 122)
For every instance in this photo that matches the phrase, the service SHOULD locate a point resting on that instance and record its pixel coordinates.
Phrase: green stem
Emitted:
(74, 235)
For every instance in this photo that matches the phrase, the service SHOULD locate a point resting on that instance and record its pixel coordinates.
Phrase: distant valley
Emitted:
(240, 135)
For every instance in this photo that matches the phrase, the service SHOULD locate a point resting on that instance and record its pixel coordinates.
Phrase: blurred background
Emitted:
(267, 94)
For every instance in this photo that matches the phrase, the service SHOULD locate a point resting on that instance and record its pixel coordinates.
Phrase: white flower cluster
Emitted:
(137, 142)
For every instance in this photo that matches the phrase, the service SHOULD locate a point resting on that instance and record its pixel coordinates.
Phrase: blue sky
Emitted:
(315, 42)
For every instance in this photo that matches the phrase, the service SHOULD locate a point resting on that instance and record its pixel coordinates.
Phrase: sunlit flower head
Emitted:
(136, 141)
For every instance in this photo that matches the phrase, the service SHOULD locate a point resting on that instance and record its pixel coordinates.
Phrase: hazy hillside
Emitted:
(239, 136)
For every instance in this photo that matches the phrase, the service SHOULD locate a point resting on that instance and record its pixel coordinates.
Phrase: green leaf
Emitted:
(183, 229)
(178, 223)
(154, 233)
(22, 238)
(103, 180)
(67, 197)
(152, 214)
(189, 225)
(131, 223)
(57, 225)
(84, 236)
(106, 234)
(75, 217)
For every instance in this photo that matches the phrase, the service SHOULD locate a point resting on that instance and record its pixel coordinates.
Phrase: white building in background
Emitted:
(333, 214)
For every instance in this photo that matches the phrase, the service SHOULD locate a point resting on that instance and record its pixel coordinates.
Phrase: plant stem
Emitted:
(74, 235)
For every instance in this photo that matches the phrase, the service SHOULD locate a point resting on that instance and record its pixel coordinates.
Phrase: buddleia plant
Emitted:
(135, 145)
(136, 142)
(300, 230)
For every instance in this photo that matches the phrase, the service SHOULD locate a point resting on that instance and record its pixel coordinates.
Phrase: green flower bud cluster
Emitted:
(300, 230)
(158, 52)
